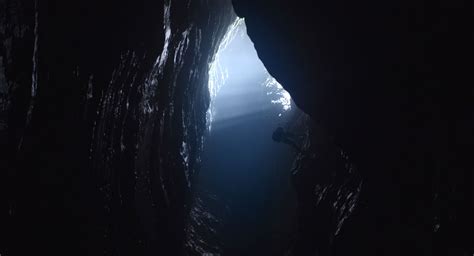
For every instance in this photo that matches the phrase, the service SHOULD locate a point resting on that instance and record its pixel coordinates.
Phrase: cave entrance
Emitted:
(244, 181)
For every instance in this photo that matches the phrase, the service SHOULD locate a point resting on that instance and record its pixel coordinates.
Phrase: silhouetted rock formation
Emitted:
(390, 80)
(328, 187)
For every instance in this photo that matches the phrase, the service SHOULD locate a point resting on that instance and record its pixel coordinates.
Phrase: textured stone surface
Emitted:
(106, 111)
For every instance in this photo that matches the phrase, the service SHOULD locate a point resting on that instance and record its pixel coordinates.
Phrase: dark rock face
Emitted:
(103, 111)
(328, 188)
(388, 80)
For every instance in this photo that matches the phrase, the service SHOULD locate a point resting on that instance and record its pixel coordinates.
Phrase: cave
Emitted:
(220, 127)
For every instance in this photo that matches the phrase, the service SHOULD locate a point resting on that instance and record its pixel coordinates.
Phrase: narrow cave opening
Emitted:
(244, 181)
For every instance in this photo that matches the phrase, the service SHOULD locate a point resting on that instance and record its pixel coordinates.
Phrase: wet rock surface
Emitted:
(103, 114)
(328, 188)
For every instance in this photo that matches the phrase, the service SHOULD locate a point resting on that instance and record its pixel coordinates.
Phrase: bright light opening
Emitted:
(237, 67)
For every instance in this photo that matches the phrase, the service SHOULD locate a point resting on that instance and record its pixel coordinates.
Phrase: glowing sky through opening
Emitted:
(237, 67)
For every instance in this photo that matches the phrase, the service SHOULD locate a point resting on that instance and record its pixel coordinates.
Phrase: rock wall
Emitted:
(328, 189)
(103, 111)
(389, 80)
